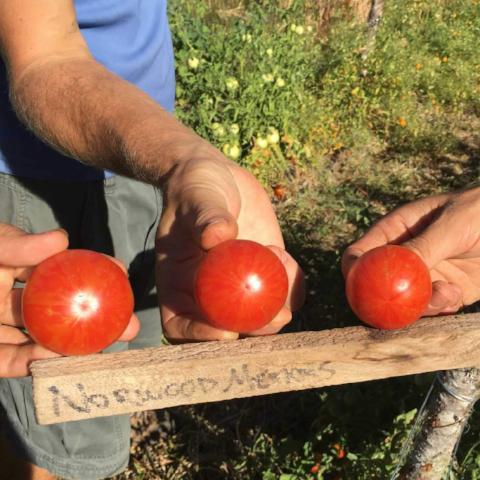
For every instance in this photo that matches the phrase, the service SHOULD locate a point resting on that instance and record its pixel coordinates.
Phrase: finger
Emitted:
(281, 319)
(434, 244)
(398, 226)
(349, 257)
(11, 312)
(184, 328)
(132, 329)
(296, 278)
(19, 249)
(16, 360)
(446, 298)
(217, 230)
(13, 336)
(206, 209)
(452, 233)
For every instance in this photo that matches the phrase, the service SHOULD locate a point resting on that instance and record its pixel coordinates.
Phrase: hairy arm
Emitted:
(76, 105)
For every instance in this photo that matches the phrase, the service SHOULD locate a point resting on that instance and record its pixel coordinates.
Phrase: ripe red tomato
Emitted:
(340, 452)
(389, 287)
(240, 286)
(77, 302)
(280, 192)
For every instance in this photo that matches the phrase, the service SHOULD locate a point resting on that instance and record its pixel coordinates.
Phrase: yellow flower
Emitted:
(247, 38)
(299, 30)
(193, 63)
(418, 66)
(280, 82)
(261, 142)
(231, 83)
(269, 52)
(234, 128)
(402, 122)
(267, 77)
(273, 137)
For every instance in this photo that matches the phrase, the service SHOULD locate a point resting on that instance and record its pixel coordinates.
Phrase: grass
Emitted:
(348, 136)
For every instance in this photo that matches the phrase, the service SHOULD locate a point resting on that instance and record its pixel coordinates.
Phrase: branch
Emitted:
(440, 425)
(105, 384)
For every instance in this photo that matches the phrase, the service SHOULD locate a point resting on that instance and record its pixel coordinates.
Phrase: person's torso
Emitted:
(129, 37)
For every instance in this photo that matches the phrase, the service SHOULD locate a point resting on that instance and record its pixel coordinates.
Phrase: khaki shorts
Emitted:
(115, 216)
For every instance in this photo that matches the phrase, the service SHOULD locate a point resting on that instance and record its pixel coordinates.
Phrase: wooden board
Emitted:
(98, 385)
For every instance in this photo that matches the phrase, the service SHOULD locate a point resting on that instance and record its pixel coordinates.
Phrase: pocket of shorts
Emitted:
(13, 201)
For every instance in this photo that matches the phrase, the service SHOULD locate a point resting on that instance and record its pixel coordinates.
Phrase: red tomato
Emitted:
(280, 192)
(240, 286)
(77, 302)
(339, 449)
(389, 287)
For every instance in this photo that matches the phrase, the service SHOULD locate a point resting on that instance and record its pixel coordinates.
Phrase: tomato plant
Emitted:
(389, 287)
(77, 302)
(240, 286)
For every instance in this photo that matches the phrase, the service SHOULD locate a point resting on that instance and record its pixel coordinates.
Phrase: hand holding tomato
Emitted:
(444, 230)
(210, 200)
(77, 302)
(19, 252)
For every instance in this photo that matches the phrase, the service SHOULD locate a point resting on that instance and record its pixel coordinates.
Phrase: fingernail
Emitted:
(229, 336)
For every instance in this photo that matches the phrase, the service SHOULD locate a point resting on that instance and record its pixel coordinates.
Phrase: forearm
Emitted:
(90, 114)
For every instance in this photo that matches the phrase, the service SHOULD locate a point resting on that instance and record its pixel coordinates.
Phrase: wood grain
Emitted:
(76, 388)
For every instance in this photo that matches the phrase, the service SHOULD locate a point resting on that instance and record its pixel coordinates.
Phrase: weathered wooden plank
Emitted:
(84, 387)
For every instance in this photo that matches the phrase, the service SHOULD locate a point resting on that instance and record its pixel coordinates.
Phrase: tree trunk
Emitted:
(440, 424)
(360, 9)
(375, 13)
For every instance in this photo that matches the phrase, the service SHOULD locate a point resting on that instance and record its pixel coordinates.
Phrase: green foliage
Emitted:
(247, 88)
(424, 63)
(270, 93)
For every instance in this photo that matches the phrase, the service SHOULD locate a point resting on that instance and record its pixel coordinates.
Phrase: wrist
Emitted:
(155, 146)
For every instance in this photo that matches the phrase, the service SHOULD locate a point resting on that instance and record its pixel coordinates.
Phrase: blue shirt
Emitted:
(129, 37)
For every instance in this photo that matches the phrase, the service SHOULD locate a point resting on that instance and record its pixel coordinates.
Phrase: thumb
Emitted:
(19, 249)
(214, 223)
(217, 228)
(439, 241)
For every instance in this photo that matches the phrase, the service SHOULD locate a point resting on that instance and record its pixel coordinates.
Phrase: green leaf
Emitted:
(269, 475)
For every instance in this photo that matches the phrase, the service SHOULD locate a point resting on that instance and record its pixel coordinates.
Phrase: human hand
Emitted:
(210, 200)
(19, 252)
(444, 230)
